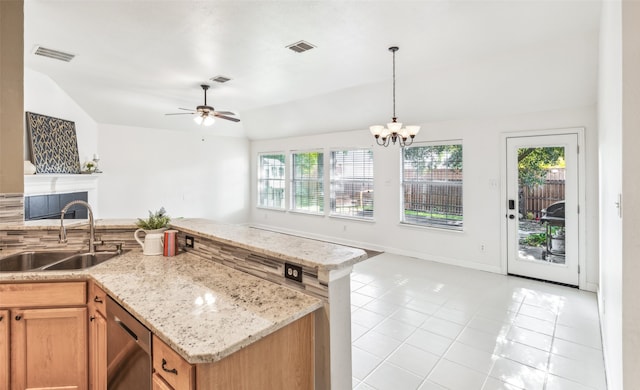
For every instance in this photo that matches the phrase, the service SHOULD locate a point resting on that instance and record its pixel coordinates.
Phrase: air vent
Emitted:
(220, 79)
(55, 54)
(300, 46)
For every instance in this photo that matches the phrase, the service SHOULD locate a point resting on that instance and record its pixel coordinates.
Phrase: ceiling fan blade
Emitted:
(186, 109)
(182, 113)
(226, 117)
(225, 112)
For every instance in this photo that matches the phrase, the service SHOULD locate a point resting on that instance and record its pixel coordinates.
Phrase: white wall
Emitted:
(43, 96)
(630, 190)
(610, 167)
(191, 174)
(482, 215)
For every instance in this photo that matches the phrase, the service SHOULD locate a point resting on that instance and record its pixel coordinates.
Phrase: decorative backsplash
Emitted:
(11, 208)
(78, 238)
(262, 266)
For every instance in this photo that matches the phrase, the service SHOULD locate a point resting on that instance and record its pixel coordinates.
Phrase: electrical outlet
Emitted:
(293, 272)
(189, 241)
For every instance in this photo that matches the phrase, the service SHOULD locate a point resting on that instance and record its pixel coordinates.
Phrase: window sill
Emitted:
(271, 209)
(355, 219)
(431, 227)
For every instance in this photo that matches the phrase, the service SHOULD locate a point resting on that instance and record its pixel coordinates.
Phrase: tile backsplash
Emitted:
(11, 208)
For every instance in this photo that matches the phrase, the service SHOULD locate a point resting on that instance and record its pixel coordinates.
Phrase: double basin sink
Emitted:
(54, 260)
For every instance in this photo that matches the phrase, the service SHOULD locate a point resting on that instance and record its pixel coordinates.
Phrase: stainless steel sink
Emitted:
(54, 260)
(82, 261)
(25, 261)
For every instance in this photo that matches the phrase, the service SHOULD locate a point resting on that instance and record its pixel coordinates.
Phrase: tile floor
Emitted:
(424, 325)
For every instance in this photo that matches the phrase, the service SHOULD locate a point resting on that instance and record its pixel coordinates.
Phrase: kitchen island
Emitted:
(186, 299)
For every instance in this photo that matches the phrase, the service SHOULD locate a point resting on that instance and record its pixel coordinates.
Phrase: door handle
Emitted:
(511, 216)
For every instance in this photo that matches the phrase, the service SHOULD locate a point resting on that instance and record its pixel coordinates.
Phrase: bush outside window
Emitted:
(307, 182)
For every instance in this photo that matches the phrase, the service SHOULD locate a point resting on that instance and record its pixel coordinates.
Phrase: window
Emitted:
(307, 187)
(271, 180)
(352, 183)
(432, 185)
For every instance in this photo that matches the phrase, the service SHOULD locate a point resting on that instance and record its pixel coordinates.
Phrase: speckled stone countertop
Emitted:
(324, 256)
(203, 310)
(312, 253)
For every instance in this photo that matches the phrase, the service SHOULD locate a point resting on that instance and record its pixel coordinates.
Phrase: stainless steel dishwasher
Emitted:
(128, 350)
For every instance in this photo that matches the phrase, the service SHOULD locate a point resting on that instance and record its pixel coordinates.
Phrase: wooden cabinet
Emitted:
(284, 360)
(175, 371)
(159, 383)
(97, 338)
(46, 336)
(49, 348)
(4, 349)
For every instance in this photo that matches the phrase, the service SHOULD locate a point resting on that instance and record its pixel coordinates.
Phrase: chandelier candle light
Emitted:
(394, 130)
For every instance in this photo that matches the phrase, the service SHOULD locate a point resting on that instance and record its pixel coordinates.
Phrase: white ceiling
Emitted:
(137, 60)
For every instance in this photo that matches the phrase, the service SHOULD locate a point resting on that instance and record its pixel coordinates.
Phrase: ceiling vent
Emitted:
(220, 79)
(300, 46)
(55, 54)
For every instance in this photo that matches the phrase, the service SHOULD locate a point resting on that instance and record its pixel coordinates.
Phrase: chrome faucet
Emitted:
(92, 226)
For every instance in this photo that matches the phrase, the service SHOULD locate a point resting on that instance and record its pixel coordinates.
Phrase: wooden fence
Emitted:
(434, 197)
(534, 200)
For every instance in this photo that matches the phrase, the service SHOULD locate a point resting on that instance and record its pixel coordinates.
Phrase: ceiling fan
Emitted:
(205, 114)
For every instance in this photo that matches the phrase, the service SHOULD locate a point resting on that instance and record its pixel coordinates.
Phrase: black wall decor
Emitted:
(54, 147)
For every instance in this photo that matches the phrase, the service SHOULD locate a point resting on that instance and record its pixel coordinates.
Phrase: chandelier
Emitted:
(394, 132)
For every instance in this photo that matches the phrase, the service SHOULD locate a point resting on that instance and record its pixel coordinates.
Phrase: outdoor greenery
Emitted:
(430, 157)
(536, 239)
(308, 177)
(156, 220)
(433, 215)
(533, 164)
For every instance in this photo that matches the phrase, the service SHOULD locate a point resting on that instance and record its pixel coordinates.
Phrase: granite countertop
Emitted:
(305, 251)
(324, 256)
(203, 310)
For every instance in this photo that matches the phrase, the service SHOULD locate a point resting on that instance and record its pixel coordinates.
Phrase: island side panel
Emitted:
(283, 360)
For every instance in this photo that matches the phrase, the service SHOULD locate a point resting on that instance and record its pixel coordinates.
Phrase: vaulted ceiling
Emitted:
(137, 60)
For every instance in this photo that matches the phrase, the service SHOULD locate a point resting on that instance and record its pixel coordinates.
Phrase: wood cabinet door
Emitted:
(159, 383)
(97, 351)
(49, 349)
(4, 349)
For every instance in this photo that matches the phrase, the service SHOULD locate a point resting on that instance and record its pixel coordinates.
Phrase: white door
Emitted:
(542, 207)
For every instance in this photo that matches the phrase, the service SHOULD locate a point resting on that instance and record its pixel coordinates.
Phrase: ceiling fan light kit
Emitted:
(206, 114)
(394, 132)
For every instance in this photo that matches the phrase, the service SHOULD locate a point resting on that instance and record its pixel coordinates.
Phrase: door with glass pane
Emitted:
(542, 207)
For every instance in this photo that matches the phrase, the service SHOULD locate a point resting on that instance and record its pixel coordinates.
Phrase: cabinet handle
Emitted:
(1, 318)
(97, 300)
(18, 317)
(92, 318)
(172, 371)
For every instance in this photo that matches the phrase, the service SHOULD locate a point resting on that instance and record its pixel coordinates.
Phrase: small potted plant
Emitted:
(157, 220)
(153, 227)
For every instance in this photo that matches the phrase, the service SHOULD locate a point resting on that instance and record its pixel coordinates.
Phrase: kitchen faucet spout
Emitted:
(92, 226)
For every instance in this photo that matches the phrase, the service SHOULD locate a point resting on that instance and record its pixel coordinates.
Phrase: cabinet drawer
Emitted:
(25, 295)
(176, 371)
(97, 299)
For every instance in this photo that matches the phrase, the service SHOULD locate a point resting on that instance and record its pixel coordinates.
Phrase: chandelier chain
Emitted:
(394, 84)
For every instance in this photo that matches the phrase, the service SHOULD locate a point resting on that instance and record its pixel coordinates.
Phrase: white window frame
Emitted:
(451, 221)
(364, 200)
(320, 180)
(261, 179)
